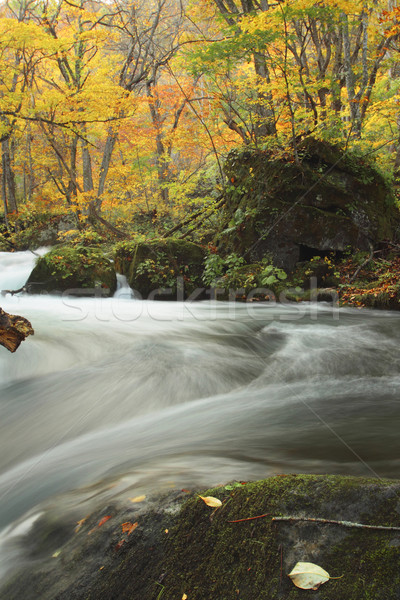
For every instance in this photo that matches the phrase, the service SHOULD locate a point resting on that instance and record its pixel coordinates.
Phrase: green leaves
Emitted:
(270, 275)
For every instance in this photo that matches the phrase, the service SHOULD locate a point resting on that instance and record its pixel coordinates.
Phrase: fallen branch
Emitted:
(333, 522)
(94, 216)
(13, 330)
(217, 204)
(12, 292)
(370, 257)
(205, 216)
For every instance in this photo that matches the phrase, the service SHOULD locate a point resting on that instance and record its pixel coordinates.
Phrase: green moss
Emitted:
(329, 200)
(209, 557)
(152, 265)
(75, 269)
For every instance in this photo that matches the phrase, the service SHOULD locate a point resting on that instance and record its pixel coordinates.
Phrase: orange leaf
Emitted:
(128, 527)
(120, 544)
(104, 520)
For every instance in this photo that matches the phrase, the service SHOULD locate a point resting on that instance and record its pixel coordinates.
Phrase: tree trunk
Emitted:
(105, 164)
(265, 125)
(72, 187)
(87, 168)
(8, 176)
(349, 79)
(162, 164)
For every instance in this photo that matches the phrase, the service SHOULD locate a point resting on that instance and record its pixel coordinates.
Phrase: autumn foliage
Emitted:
(124, 111)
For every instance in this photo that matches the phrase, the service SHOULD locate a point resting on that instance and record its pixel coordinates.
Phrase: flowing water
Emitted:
(117, 397)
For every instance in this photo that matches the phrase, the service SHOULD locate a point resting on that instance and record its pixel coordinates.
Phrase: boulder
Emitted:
(34, 230)
(158, 269)
(82, 271)
(330, 201)
(189, 550)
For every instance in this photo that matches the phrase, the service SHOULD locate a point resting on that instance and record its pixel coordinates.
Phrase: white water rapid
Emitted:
(115, 397)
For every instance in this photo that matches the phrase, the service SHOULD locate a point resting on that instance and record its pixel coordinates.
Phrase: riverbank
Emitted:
(174, 546)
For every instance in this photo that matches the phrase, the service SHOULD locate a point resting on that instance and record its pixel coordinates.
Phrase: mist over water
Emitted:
(119, 397)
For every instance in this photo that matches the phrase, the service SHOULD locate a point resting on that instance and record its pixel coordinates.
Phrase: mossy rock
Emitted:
(82, 271)
(236, 551)
(331, 200)
(388, 299)
(161, 269)
(320, 272)
(40, 229)
(212, 557)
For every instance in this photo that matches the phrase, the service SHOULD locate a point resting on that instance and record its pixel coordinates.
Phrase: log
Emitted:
(13, 330)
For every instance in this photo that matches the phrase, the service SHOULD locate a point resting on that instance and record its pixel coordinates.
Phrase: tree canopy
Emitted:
(125, 110)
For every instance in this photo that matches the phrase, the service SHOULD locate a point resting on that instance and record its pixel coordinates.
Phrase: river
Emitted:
(117, 396)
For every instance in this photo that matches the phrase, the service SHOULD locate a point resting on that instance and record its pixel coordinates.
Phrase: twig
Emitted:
(250, 518)
(12, 292)
(333, 522)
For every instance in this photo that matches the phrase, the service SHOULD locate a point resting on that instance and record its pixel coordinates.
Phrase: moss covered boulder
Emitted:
(330, 200)
(161, 269)
(182, 549)
(82, 271)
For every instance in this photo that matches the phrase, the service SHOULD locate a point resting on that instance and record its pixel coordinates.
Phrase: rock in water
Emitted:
(13, 330)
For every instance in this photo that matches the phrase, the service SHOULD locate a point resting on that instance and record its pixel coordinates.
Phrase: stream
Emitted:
(116, 397)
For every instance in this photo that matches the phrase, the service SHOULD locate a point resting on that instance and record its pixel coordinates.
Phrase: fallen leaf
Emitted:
(128, 527)
(308, 576)
(166, 531)
(57, 553)
(138, 498)
(184, 597)
(79, 524)
(120, 544)
(104, 520)
(211, 501)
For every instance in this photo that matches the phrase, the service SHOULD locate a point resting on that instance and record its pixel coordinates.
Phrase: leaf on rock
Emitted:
(308, 576)
(104, 520)
(128, 527)
(119, 545)
(79, 524)
(211, 501)
(138, 498)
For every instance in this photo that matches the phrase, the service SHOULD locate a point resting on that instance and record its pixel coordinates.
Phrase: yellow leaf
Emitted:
(138, 499)
(184, 597)
(211, 501)
(79, 524)
(308, 576)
